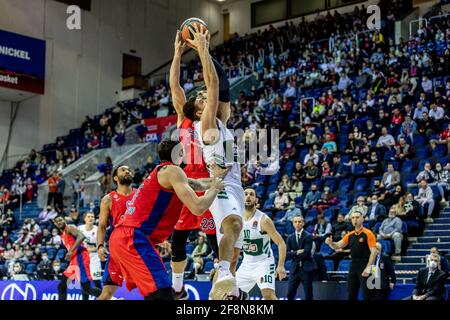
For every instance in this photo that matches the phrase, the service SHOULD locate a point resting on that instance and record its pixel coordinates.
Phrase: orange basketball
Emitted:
(186, 34)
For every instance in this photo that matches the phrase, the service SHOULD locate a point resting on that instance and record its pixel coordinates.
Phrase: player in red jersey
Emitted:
(195, 166)
(112, 207)
(150, 219)
(78, 256)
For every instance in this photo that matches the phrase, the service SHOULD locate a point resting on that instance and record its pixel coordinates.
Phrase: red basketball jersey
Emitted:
(118, 206)
(154, 210)
(192, 149)
(69, 240)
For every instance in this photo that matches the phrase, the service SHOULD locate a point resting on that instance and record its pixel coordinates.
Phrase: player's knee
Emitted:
(233, 224)
(179, 253)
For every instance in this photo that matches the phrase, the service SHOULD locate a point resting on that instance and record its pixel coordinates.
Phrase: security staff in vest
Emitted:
(300, 250)
(363, 252)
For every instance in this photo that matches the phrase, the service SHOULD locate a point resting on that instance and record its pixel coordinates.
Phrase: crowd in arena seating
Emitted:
(375, 140)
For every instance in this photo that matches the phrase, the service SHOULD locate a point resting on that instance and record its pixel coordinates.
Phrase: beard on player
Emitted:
(126, 180)
(249, 205)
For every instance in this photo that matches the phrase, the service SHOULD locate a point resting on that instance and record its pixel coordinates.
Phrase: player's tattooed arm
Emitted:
(199, 185)
(105, 208)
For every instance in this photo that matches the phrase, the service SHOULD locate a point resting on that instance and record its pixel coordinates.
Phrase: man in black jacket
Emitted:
(430, 282)
(383, 277)
(299, 249)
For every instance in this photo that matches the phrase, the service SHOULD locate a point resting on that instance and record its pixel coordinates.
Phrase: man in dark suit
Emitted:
(384, 279)
(430, 282)
(299, 250)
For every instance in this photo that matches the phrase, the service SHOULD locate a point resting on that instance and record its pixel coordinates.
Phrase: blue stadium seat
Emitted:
(208, 266)
(376, 227)
(51, 252)
(311, 215)
(360, 169)
(404, 227)
(344, 265)
(325, 250)
(329, 265)
(61, 254)
(30, 268)
(387, 246)
(439, 151)
(64, 265)
(268, 204)
(328, 214)
(360, 184)
(189, 248)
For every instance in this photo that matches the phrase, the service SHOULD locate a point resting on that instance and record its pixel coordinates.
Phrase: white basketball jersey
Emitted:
(91, 240)
(223, 153)
(256, 243)
(91, 236)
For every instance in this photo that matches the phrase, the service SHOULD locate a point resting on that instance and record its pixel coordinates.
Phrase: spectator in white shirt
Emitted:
(311, 156)
(424, 197)
(386, 140)
(47, 215)
(344, 82)
(290, 90)
(437, 114)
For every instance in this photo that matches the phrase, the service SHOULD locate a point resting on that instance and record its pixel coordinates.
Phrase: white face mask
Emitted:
(374, 201)
(56, 268)
(16, 269)
(216, 265)
(432, 265)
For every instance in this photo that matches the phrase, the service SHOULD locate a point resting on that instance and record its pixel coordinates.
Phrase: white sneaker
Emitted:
(222, 288)
(429, 220)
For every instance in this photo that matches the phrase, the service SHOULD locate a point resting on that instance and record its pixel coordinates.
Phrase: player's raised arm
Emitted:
(268, 227)
(177, 92)
(72, 230)
(174, 177)
(105, 207)
(208, 118)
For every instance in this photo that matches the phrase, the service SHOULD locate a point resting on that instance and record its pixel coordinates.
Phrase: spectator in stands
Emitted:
(437, 114)
(61, 190)
(391, 178)
(444, 138)
(46, 237)
(427, 84)
(106, 168)
(16, 270)
(199, 253)
(56, 239)
(358, 207)
(384, 276)
(291, 212)
(76, 191)
(24, 237)
(281, 200)
(330, 146)
(411, 209)
(385, 141)
(296, 188)
(374, 167)
(430, 281)
(443, 261)
(312, 197)
(391, 229)
(403, 150)
(376, 212)
(312, 171)
(47, 215)
(420, 111)
(74, 217)
(441, 180)
(339, 226)
(311, 156)
(56, 273)
(425, 198)
(408, 128)
(322, 229)
(426, 125)
(53, 191)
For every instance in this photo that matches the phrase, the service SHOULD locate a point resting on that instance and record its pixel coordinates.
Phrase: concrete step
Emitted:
(417, 252)
(408, 266)
(433, 239)
(436, 233)
(442, 220)
(438, 226)
(429, 245)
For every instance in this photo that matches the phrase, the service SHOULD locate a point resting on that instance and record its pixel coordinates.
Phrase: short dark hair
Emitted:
(251, 188)
(165, 148)
(189, 109)
(115, 171)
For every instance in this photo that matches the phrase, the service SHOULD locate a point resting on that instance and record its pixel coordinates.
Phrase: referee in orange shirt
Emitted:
(363, 251)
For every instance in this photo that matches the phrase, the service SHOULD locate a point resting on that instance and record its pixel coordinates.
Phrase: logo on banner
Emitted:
(15, 292)
(190, 289)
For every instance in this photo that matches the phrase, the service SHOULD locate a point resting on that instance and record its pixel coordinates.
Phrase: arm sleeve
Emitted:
(371, 240)
(224, 84)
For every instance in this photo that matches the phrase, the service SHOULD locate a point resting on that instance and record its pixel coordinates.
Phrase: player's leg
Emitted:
(161, 294)
(88, 290)
(212, 242)
(228, 236)
(84, 264)
(178, 262)
(234, 262)
(109, 286)
(62, 288)
(269, 294)
(265, 271)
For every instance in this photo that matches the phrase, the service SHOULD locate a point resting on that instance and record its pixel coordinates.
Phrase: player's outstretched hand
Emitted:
(217, 184)
(179, 44)
(68, 256)
(102, 253)
(280, 273)
(201, 37)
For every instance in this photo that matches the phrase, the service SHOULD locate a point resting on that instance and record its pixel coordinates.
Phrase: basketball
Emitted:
(186, 34)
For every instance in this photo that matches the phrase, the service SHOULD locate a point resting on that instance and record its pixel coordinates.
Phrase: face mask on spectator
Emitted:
(326, 189)
(16, 269)
(374, 201)
(56, 268)
(45, 258)
(432, 265)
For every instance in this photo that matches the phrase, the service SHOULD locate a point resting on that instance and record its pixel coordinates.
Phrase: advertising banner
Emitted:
(22, 62)
(157, 126)
(198, 290)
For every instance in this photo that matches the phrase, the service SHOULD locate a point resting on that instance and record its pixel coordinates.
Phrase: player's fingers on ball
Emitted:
(192, 30)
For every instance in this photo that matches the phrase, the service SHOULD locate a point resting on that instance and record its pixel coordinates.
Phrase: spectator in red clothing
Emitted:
(4, 196)
(444, 138)
(397, 120)
(53, 190)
